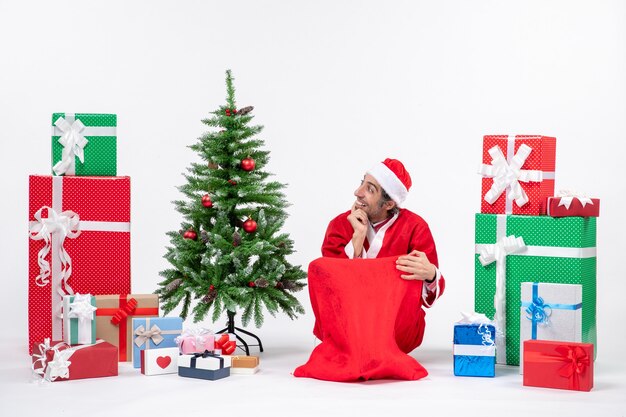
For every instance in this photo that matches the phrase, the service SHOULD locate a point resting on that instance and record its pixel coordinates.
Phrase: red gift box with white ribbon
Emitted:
(572, 204)
(79, 243)
(518, 174)
(58, 361)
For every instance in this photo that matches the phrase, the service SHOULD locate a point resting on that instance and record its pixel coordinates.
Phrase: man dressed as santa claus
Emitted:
(376, 226)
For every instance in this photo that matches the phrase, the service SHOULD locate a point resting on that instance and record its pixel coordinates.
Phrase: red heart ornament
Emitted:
(164, 361)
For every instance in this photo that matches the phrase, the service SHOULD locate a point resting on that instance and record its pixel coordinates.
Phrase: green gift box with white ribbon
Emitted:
(512, 249)
(84, 144)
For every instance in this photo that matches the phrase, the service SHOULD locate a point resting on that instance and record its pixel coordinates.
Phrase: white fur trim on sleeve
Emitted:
(349, 250)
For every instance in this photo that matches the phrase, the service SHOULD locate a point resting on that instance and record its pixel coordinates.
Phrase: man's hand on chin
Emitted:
(358, 220)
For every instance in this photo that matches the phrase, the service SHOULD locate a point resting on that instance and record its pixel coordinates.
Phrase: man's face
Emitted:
(368, 198)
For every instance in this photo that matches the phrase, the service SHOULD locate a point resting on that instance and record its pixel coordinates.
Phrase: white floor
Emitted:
(274, 391)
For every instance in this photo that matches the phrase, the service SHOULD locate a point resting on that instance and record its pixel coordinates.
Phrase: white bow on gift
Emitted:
(66, 224)
(73, 143)
(201, 338)
(508, 175)
(567, 196)
(81, 308)
(58, 367)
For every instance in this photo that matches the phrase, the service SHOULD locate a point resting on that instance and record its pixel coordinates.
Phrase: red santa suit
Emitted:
(398, 235)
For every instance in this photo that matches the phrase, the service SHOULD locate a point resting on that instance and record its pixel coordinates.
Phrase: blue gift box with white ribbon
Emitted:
(474, 350)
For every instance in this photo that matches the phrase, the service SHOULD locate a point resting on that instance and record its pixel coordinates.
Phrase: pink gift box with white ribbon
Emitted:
(195, 341)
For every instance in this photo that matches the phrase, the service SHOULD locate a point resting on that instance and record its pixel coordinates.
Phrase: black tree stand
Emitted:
(230, 328)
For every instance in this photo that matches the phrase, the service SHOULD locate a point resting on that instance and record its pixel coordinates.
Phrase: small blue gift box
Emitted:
(154, 333)
(474, 350)
(207, 365)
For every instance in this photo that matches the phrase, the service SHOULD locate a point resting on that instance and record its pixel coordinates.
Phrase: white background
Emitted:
(339, 86)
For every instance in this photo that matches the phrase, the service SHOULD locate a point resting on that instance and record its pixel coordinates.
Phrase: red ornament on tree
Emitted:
(249, 226)
(232, 182)
(211, 287)
(248, 164)
(206, 201)
(251, 284)
(227, 112)
(190, 234)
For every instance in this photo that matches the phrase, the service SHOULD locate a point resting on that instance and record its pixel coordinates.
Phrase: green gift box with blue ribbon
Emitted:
(512, 249)
(84, 144)
(550, 312)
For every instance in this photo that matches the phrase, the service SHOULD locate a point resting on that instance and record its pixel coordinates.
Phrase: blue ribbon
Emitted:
(538, 312)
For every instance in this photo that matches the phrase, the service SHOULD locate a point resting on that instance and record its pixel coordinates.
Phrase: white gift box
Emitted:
(550, 312)
(159, 361)
(210, 363)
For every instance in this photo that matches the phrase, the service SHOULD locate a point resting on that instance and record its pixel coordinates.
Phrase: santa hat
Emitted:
(393, 177)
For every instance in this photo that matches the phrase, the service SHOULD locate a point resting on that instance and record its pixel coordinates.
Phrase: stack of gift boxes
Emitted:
(535, 264)
(82, 318)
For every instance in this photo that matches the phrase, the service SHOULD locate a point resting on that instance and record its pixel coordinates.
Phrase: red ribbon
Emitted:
(124, 312)
(228, 346)
(575, 361)
(119, 317)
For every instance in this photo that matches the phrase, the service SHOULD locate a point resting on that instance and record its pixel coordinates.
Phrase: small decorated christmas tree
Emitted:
(229, 255)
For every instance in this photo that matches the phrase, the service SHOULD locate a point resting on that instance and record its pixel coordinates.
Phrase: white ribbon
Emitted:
(507, 174)
(80, 308)
(59, 366)
(473, 318)
(73, 142)
(474, 350)
(497, 253)
(567, 196)
(203, 339)
(41, 357)
(62, 225)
